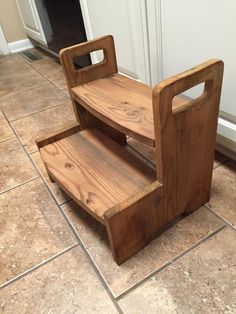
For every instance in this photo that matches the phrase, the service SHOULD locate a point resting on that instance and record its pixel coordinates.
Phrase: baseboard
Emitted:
(20, 45)
(226, 138)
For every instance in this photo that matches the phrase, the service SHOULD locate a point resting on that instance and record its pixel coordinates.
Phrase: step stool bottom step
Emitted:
(95, 171)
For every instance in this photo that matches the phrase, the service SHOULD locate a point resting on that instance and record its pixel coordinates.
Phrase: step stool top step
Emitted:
(123, 103)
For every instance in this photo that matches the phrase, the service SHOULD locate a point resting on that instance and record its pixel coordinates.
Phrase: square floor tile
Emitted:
(61, 83)
(204, 281)
(11, 64)
(43, 123)
(32, 229)
(58, 193)
(21, 104)
(171, 243)
(52, 70)
(49, 68)
(15, 166)
(223, 194)
(149, 152)
(19, 81)
(5, 130)
(67, 284)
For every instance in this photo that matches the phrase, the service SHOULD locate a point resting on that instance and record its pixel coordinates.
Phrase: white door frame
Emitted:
(154, 23)
(3, 43)
(144, 74)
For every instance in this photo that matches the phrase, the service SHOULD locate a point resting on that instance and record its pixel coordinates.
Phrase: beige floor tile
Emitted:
(21, 104)
(223, 195)
(41, 124)
(11, 64)
(67, 284)
(203, 281)
(19, 81)
(174, 241)
(59, 194)
(66, 91)
(5, 129)
(52, 70)
(12, 56)
(15, 166)
(49, 68)
(32, 229)
(149, 152)
(61, 84)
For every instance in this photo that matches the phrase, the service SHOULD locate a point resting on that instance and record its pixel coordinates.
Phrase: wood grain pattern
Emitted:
(122, 103)
(57, 135)
(92, 72)
(95, 171)
(75, 77)
(120, 191)
(185, 142)
(185, 138)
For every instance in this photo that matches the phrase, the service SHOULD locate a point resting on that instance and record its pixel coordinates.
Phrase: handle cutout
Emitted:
(94, 57)
(190, 95)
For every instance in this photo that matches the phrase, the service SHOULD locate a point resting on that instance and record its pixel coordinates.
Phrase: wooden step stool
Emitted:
(90, 160)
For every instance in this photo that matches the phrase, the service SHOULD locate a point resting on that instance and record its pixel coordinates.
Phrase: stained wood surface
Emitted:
(57, 135)
(92, 72)
(95, 171)
(122, 103)
(120, 191)
(185, 138)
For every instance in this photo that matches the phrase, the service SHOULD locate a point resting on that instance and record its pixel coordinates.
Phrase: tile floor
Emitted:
(54, 258)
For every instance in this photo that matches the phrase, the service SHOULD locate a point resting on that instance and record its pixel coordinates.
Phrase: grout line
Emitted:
(42, 110)
(52, 195)
(30, 270)
(16, 186)
(40, 176)
(95, 267)
(7, 139)
(71, 227)
(44, 180)
(64, 202)
(220, 217)
(172, 261)
(46, 77)
(154, 165)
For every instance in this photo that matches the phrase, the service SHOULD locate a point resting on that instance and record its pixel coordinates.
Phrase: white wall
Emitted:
(126, 21)
(194, 31)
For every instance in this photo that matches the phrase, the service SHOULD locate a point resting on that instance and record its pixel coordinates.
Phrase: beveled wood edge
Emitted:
(117, 209)
(58, 135)
(85, 45)
(104, 68)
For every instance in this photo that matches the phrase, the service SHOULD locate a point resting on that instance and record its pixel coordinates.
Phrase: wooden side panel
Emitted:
(75, 77)
(185, 138)
(95, 71)
(135, 222)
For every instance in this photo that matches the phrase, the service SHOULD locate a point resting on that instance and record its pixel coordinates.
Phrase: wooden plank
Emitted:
(185, 138)
(133, 224)
(57, 135)
(122, 103)
(185, 142)
(95, 171)
(76, 77)
(92, 72)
